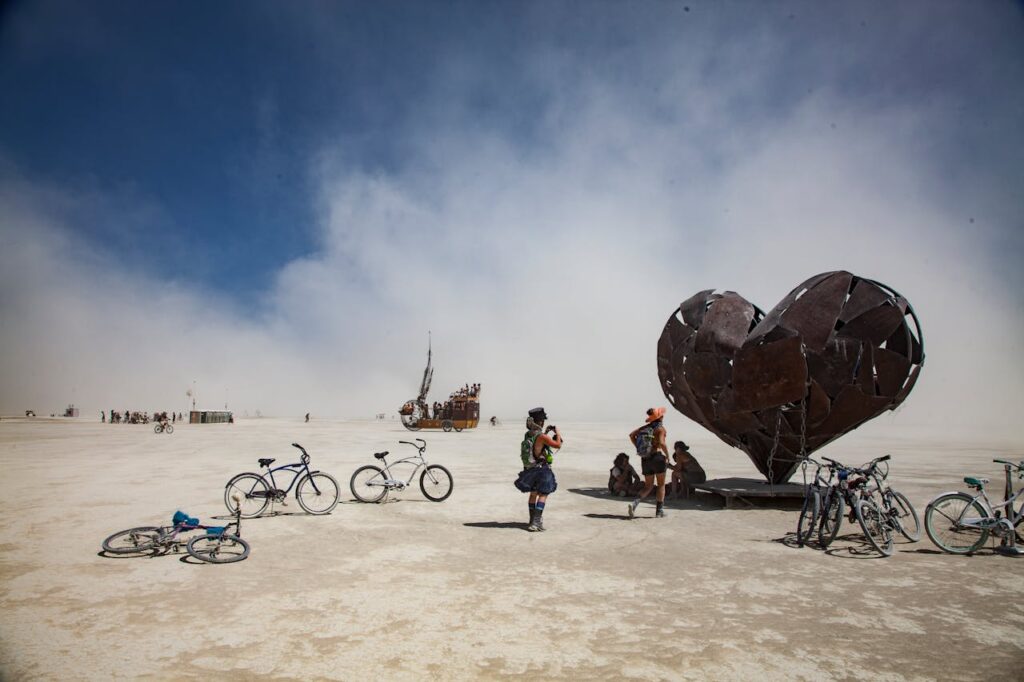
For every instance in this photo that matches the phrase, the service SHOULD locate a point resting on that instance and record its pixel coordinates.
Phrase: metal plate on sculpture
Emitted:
(726, 324)
(772, 374)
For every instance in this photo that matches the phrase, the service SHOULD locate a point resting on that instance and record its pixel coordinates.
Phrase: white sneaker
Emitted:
(632, 507)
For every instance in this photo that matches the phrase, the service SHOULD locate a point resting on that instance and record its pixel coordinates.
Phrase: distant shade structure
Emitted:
(837, 351)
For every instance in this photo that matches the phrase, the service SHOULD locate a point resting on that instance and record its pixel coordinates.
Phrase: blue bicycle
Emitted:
(316, 492)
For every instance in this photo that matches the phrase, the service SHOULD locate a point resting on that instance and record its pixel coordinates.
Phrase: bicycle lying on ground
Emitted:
(316, 492)
(960, 523)
(163, 427)
(216, 545)
(372, 484)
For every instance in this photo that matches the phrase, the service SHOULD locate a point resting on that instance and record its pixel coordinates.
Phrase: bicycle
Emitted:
(372, 484)
(851, 489)
(316, 491)
(902, 515)
(215, 546)
(163, 427)
(960, 523)
(811, 508)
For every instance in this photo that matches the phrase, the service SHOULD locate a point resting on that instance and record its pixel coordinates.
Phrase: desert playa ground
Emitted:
(413, 589)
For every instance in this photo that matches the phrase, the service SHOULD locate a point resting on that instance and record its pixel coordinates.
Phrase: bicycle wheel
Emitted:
(808, 516)
(253, 490)
(436, 483)
(218, 549)
(875, 526)
(168, 429)
(157, 429)
(951, 521)
(831, 518)
(133, 540)
(446, 425)
(318, 493)
(903, 514)
(367, 484)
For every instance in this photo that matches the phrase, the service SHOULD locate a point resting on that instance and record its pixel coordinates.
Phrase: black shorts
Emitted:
(653, 464)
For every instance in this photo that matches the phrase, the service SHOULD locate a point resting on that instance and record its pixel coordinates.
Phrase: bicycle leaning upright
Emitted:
(960, 523)
(372, 483)
(813, 495)
(317, 492)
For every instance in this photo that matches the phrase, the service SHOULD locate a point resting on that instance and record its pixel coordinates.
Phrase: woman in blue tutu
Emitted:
(537, 478)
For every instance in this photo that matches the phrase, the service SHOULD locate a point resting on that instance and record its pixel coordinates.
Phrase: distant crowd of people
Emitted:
(443, 410)
(128, 417)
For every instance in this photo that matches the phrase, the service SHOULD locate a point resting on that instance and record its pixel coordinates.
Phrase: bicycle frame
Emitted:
(992, 521)
(296, 469)
(391, 481)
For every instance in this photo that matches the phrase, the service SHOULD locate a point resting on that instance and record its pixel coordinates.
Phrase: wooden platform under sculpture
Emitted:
(733, 489)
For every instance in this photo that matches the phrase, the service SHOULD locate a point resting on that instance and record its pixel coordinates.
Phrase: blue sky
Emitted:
(321, 166)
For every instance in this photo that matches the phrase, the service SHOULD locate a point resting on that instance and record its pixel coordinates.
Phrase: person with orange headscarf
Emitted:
(649, 440)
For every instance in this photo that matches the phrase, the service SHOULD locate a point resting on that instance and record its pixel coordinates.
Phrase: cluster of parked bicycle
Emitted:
(957, 522)
(249, 494)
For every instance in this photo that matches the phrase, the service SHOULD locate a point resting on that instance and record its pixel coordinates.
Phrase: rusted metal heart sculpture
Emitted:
(837, 351)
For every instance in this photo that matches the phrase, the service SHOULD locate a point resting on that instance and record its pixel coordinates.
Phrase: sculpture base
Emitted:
(742, 490)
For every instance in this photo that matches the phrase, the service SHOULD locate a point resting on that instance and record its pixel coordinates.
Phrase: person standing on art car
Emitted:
(649, 440)
(537, 454)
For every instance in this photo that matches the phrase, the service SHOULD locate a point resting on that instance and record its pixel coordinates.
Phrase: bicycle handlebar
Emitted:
(305, 455)
(421, 448)
(1019, 465)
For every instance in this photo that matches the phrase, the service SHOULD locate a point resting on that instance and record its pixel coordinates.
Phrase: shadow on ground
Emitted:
(697, 501)
(515, 525)
(849, 546)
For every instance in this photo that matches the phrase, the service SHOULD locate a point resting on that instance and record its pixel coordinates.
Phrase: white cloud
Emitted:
(544, 270)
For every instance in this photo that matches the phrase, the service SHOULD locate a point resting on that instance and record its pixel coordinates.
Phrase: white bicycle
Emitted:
(372, 483)
(960, 523)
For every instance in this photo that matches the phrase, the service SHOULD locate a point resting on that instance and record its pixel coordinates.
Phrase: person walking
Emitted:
(649, 440)
(537, 478)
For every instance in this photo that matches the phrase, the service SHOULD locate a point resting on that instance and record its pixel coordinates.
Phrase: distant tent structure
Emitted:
(210, 417)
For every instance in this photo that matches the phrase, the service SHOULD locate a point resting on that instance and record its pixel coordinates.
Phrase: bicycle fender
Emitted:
(979, 500)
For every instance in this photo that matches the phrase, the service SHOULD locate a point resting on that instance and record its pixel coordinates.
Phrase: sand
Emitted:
(413, 589)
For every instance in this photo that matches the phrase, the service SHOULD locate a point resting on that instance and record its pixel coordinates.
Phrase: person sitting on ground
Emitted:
(622, 477)
(686, 472)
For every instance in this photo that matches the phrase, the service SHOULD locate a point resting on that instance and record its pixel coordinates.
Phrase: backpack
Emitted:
(526, 451)
(645, 439)
(526, 448)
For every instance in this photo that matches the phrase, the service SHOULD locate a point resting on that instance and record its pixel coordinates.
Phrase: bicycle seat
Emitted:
(266, 461)
(975, 482)
(380, 455)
